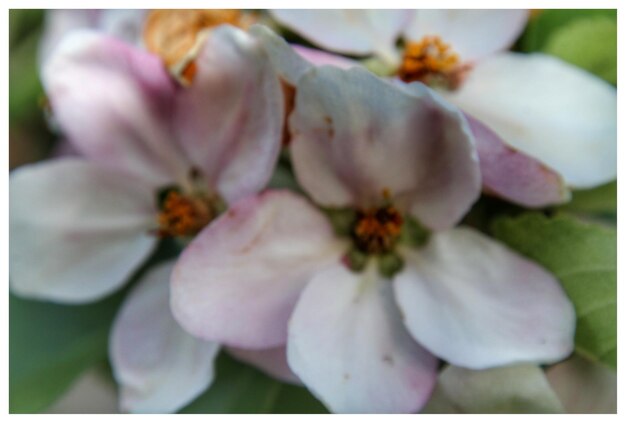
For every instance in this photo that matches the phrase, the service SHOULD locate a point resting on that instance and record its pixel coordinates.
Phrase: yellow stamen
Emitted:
(183, 215)
(429, 60)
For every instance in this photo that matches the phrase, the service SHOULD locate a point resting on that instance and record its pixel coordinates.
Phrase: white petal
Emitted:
(356, 137)
(77, 231)
(349, 347)
(473, 34)
(238, 281)
(230, 120)
(159, 367)
(514, 389)
(114, 103)
(348, 31)
(272, 361)
(477, 304)
(548, 109)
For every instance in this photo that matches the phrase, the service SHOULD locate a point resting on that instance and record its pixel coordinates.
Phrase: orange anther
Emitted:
(428, 60)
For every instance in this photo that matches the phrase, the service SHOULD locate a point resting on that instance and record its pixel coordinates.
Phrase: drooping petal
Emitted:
(521, 388)
(472, 34)
(514, 176)
(272, 361)
(477, 304)
(114, 102)
(548, 109)
(238, 281)
(584, 386)
(356, 137)
(348, 31)
(158, 366)
(77, 231)
(230, 120)
(349, 347)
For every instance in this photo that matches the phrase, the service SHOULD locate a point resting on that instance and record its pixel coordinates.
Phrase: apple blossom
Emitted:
(506, 172)
(365, 306)
(90, 222)
(537, 104)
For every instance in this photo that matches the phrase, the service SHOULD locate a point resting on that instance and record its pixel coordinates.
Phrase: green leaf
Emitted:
(239, 388)
(50, 345)
(541, 27)
(25, 91)
(599, 201)
(584, 258)
(589, 43)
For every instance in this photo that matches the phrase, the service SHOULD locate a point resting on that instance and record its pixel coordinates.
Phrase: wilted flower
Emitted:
(90, 222)
(365, 313)
(538, 104)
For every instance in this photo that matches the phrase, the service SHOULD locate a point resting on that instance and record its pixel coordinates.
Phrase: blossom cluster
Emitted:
(361, 282)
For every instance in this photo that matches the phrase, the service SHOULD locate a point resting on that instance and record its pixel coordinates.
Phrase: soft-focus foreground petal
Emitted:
(238, 281)
(472, 34)
(548, 109)
(477, 304)
(348, 31)
(356, 137)
(514, 176)
(114, 102)
(158, 366)
(584, 386)
(77, 231)
(230, 120)
(348, 345)
(122, 23)
(272, 361)
(521, 388)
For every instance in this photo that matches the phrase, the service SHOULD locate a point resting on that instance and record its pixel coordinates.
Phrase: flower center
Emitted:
(184, 215)
(376, 230)
(173, 35)
(432, 62)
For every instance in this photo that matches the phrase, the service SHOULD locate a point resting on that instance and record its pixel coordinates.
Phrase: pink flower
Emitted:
(80, 227)
(540, 105)
(365, 314)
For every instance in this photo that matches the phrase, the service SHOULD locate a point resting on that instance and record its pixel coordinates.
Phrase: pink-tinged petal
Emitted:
(348, 345)
(472, 34)
(514, 176)
(158, 366)
(348, 31)
(77, 231)
(584, 386)
(230, 120)
(548, 109)
(477, 304)
(356, 137)
(239, 279)
(125, 24)
(114, 102)
(272, 361)
(322, 58)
